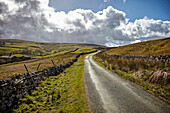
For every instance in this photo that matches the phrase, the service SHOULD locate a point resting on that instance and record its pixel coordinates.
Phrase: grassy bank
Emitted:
(58, 94)
(142, 79)
(153, 47)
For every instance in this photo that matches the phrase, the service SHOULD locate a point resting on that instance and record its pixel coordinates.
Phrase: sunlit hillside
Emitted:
(34, 49)
(153, 47)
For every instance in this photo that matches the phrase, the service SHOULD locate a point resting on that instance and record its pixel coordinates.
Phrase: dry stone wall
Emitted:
(11, 90)
(161, 58)
(161, 63)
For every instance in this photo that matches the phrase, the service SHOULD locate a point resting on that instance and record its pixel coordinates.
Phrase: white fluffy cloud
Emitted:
(146, 28)
(35, 20)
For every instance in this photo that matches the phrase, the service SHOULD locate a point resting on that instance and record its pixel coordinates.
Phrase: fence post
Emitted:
(26, 68)
(54, 67)
(38, 66)
(30, 76)
(53, 62)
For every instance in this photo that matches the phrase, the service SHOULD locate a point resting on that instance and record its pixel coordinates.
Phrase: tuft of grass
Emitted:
(58, 94)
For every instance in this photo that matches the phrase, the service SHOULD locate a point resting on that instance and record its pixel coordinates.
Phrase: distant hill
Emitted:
(152, 47)
(21, 47)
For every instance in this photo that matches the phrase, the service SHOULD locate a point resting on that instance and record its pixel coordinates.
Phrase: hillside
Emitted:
(150, 73)
(153, 47)
(39, 52)
(35, 49)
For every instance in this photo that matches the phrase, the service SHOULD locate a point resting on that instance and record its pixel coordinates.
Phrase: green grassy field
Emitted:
(12, 69)
(64, 93)
(38, 50)
(153, 47)
(40, 53)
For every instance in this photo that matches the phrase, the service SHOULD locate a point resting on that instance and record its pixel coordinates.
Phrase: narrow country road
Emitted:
(108, 93)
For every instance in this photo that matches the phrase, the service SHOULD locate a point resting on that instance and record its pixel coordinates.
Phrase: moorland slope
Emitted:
(152, 47)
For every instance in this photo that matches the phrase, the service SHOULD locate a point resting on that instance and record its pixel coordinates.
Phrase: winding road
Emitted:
(108, 93)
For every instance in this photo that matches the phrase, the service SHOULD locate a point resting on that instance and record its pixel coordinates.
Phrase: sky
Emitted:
(105, 22)
(134, 9)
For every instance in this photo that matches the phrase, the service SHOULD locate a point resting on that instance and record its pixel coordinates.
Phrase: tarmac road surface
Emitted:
(108, 93)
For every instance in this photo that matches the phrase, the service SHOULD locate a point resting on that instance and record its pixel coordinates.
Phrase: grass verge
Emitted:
(161, 92)
(58, 94)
